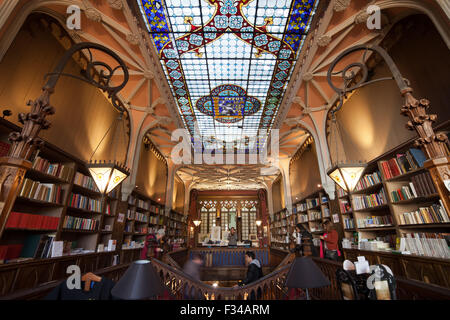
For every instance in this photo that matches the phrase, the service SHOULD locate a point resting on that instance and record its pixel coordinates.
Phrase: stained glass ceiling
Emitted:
(228, 62)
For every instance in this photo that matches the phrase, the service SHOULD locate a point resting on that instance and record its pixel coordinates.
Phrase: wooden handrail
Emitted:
(181, 285)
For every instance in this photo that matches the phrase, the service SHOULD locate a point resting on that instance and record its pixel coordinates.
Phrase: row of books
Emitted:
(34, 246)
(155, 209)
(85, 181)
(326, 212)
(142, 204)
(155, 220)
(41, 191)
(369, 201)
(128, 227)
(341, 192)
(141, 217)
(422, 185)
(80, 223)
(82, 202)
(349, 223)
(130, 214)
(61, 171)
(345, 206)
(427, 244)
(301, 207)
(403, 163)
(435, 213)
(368, 180)
(374, 221)
(311, 203)
(315, 215)
(301, 218)
(142, 229)
(108, 211)
(20, 220)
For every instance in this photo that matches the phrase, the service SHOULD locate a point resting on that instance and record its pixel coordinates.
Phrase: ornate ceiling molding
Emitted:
(341, 5)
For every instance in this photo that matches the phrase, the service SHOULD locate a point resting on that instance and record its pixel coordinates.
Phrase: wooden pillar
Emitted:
(12, 173)
(433, 144)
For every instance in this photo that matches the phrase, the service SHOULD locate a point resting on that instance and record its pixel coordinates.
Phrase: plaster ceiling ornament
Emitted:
(133, 38)
(116, 4)
(228, 104)
(148, 74)
(324, 40)
(308, 76)
(92, 14)
(361, 17)
(341, 5)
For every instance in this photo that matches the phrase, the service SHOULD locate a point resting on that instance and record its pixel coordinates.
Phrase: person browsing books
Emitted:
(153, 245)
(331, 239)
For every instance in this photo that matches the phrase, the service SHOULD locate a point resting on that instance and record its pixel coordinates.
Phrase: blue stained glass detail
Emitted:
(278, 84)
(261, 40)
(178, 84)
(247, 33)
(252, 84)
(236, 22)
(274, 46)
(175, 74)
(210, 32)
(182, 45)
(281, 75)
(196, 40)
(170, 53)
(284, 65)
(221, 22)
(228, 8)
(172, 64)
(285, 54)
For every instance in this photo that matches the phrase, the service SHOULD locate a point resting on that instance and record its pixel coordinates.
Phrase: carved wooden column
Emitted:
(433, 144)
(14, 167)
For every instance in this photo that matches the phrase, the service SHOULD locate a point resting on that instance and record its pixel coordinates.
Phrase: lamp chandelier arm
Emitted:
(432, 143)
(25, 142)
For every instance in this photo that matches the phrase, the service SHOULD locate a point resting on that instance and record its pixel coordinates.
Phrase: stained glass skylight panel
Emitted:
(228, 61)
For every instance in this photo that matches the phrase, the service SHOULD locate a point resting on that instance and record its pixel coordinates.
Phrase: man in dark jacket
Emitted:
(254, 271)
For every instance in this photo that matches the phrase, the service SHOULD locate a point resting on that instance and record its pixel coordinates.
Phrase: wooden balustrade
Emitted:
(182, 286)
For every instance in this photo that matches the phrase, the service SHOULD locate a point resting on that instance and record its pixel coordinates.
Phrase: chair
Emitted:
(347, 285)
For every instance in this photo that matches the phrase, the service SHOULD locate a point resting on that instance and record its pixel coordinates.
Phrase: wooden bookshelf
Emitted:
(54, 167)
(145, 216)
(311, 211)
(400, 200)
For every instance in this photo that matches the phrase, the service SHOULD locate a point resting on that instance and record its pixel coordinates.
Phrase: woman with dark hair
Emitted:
(303, 241)
(331, 240)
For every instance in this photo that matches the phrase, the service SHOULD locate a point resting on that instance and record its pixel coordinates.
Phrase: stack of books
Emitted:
(58, 170)
(42, 191)
(435, 213)
(403, 163)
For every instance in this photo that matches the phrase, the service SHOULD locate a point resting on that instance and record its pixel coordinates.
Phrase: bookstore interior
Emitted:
(224, 150)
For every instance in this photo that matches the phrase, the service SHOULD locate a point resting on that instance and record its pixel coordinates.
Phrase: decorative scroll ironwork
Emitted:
(433, 144)
(97, 73)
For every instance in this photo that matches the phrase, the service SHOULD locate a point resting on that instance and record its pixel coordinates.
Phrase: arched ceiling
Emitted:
(119, 25)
